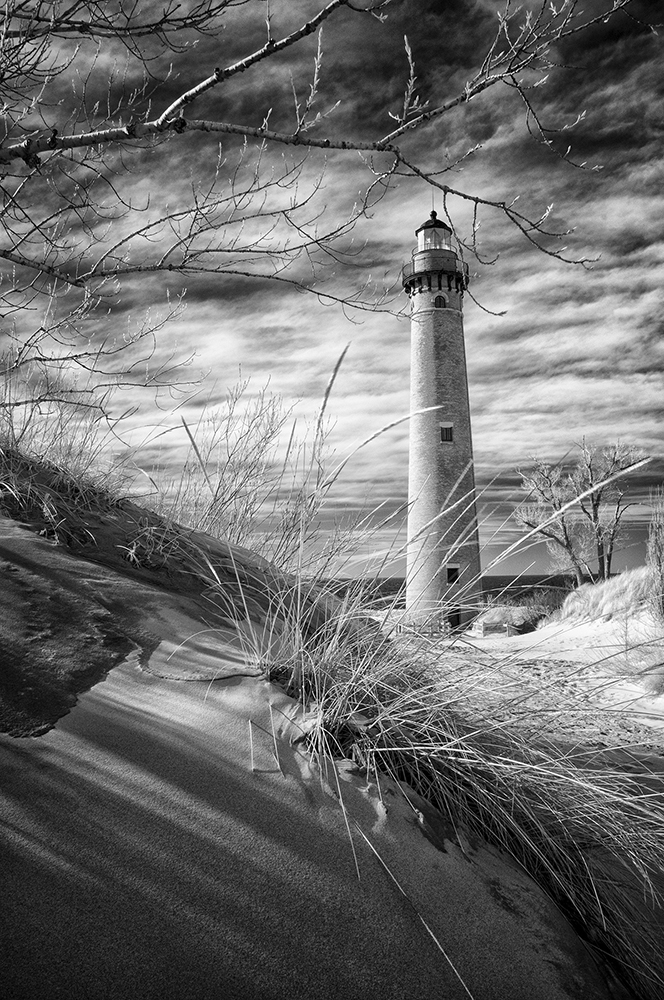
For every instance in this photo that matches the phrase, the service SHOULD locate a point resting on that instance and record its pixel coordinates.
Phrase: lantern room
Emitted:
(435, 262)
(434, 235)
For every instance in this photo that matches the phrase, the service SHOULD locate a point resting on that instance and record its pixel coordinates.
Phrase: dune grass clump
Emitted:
(625, 594)
(40, 490)
(588, 831)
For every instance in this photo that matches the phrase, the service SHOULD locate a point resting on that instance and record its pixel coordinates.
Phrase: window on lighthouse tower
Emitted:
(446, 433)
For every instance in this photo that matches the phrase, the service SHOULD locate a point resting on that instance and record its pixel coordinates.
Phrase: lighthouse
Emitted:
(443, 559)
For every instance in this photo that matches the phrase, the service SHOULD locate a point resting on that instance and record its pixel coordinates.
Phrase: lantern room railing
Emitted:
(431, 262)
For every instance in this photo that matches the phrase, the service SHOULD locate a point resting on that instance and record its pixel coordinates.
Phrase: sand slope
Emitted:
(66, 620)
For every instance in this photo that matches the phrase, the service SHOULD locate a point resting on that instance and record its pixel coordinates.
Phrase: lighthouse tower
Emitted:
(443, 570)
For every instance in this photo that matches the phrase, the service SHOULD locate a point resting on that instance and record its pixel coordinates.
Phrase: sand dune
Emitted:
(169, 836)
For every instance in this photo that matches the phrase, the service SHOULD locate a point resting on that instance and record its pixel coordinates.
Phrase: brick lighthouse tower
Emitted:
(443, 566)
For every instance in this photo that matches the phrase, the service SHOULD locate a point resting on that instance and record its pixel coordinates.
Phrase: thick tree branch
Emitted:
(269, 49)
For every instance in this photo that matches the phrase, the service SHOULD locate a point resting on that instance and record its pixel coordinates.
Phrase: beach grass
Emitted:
(588, 830)
(621, 595)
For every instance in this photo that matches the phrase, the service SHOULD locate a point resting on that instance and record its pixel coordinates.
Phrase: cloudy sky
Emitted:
(555, 351)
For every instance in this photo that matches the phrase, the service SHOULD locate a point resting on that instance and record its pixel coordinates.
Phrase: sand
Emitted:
(593, 678)
(144, 857)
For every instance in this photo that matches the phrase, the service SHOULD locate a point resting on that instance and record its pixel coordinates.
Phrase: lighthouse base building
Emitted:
(443, 577)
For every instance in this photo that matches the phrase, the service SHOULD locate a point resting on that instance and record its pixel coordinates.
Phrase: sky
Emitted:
(556, 352)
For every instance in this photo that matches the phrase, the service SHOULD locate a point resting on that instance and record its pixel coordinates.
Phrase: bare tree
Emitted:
(92, 116)
(579, 510)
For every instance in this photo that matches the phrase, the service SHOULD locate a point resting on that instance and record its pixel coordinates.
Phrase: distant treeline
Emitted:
(522, 585)
(392, 588)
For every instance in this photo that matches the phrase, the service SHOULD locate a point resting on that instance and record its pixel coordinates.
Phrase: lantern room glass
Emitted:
(434, 238)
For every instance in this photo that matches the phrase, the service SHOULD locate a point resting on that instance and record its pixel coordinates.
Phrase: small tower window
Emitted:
(446, 433)
(440, 302)
(452, 574)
